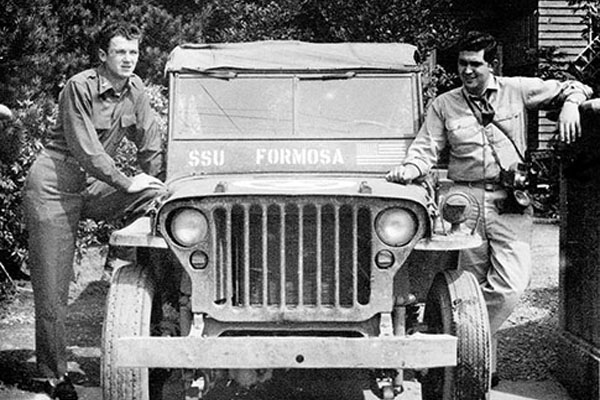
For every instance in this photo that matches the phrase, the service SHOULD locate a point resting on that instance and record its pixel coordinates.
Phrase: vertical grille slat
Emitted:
(282, 257)
(265, 254)
(292, 254)
(300, 255)
(319, 248)
(246, 246)
(216, 250)
(336, 257)
(354, 257)
(228, 260)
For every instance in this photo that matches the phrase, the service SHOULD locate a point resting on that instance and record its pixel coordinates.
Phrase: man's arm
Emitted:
(568, 95)
(82, 138)
(424, 151)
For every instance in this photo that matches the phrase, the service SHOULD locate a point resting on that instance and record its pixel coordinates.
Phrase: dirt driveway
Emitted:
(527, 343)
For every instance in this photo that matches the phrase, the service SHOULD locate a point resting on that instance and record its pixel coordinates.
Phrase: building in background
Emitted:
(529, 31)
(563, 27)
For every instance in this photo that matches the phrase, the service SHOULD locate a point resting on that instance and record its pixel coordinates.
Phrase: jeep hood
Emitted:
(294, 185)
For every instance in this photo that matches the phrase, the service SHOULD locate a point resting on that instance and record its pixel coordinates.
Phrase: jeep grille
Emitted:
(290, 258)
(292, 253)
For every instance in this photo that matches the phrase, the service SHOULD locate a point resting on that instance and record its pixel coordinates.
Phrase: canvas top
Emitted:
(293, 56)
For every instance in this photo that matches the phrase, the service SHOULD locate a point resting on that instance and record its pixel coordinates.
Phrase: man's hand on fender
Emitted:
(5, 112)
(403, 174)
(569, 125)
(144, 181)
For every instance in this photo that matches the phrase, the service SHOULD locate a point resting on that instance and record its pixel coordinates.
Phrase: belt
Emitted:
(57, 155)
(488, 186)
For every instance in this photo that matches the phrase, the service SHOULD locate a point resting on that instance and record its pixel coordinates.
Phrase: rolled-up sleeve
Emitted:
(538, 93)
(82, 138)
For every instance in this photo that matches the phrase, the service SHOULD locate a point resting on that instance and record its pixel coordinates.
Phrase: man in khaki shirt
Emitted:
(483, 125)
(75, 177)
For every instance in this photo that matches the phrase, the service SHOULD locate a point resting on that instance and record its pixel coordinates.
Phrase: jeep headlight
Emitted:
(396, 226)
(456, 207)
(188, 227)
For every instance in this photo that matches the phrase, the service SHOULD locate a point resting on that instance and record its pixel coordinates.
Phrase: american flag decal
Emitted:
(381, 153)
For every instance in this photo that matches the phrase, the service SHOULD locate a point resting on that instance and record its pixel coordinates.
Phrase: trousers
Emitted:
(57, 195)
(502, 264)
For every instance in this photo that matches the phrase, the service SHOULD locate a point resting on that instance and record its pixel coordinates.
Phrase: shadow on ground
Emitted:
(84, 331)
(528, 341)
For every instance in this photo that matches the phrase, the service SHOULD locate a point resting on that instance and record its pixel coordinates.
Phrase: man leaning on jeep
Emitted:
(483, 125)
(75, 177)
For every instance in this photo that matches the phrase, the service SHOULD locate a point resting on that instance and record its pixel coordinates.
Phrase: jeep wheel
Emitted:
(455, 306)
(128, 312)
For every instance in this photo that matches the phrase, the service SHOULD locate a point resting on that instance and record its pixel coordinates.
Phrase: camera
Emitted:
(517, 177)
(516, 181)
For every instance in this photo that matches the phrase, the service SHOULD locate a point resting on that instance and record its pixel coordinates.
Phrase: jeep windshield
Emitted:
(272, 107)
(295, 106)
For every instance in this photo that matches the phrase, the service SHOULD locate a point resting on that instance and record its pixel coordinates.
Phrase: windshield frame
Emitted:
(296, 78)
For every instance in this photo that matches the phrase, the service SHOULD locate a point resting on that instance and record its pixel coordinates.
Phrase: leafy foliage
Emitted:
(424, 23)
(22, 141)
(47, 41)
(437, 81)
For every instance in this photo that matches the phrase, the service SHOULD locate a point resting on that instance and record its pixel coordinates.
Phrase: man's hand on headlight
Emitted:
(403, 174)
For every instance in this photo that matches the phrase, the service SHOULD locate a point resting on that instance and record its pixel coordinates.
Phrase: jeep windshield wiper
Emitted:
(327, 77)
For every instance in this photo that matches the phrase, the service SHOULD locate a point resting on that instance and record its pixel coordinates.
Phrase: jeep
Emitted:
(281, 263)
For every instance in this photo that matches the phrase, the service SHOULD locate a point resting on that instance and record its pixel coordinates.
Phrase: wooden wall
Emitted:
(559, 25)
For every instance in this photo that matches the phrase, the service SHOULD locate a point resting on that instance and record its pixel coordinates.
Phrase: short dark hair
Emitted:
(476, 41)
(127, 30)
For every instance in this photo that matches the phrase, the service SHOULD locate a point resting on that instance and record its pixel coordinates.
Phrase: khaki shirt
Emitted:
(93, 119)
(451, 122)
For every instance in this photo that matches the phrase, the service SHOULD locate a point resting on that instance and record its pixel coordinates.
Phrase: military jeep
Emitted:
(281, 263)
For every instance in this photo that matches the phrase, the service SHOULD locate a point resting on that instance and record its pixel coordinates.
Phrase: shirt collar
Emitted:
(105, 85)
(492, 84)
(492, 87)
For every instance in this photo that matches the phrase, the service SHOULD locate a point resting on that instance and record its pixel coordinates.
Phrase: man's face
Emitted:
(122, 57)
(474, 71)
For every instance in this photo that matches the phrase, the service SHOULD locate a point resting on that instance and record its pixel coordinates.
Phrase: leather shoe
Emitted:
(495, 379)
(61, 389)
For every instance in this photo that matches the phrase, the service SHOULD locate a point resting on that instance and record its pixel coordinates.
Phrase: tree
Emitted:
(47, 41)
(424, 23)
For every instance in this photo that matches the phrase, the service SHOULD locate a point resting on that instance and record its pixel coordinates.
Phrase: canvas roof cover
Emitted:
(292, 55)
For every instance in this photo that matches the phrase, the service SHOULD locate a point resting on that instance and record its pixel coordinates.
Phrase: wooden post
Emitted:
(579, 280)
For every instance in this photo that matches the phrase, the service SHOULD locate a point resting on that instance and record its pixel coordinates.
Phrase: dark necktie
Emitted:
(483, 110)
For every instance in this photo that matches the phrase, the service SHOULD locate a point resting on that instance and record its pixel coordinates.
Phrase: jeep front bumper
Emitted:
(415, 351)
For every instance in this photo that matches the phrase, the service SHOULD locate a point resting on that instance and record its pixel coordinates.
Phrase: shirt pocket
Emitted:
(463, 134)
(510, 123)
(101, 116)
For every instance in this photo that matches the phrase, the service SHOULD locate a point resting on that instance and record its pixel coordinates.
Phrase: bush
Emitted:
(47, 41)
(44, 43)
(22, 140)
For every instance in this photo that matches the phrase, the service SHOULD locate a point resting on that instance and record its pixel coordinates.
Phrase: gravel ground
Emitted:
(527, 345)
(528, 340)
